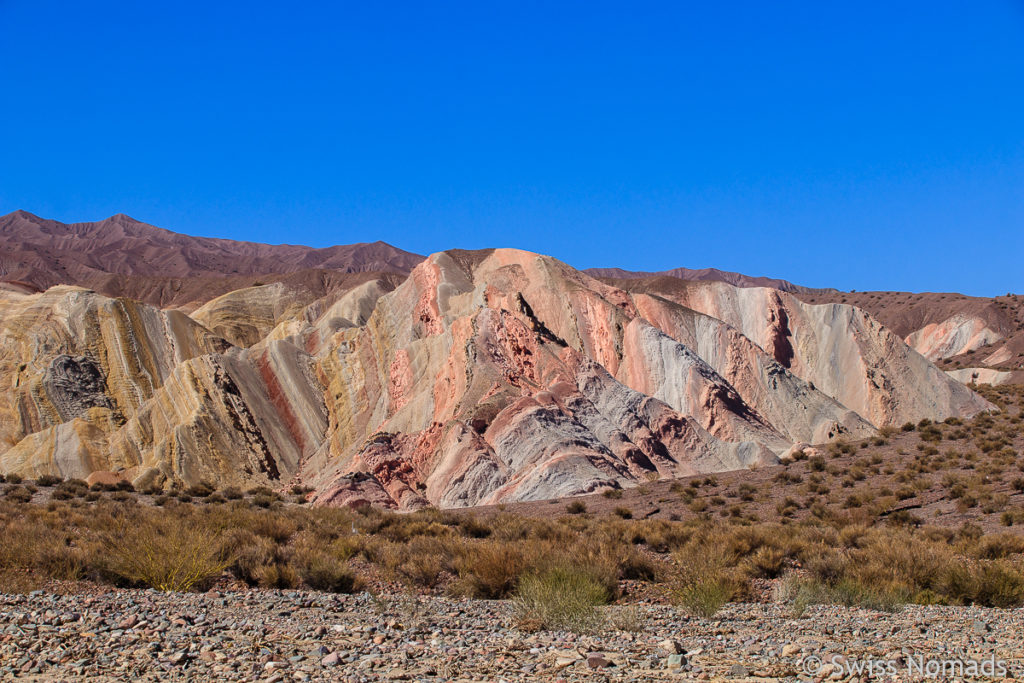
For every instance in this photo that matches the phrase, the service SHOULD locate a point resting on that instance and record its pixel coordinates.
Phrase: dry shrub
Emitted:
(997, 546)
(625, 618)
(420, 562)
(258, 560)
(35, 542)
(17, 494)
(659, 535)
(799, 593)
(705, 580)
(320, 563)
(560, 597)
(277, 575)
(766, 563)
(706, 596)
(489, 569)
(273, 525)
(323, 565)
(18, 581)
(998, 583)
(423, 562)
(165, 552)
(509, 527)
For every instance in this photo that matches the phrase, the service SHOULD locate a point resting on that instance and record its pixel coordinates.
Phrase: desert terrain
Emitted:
(232, 461)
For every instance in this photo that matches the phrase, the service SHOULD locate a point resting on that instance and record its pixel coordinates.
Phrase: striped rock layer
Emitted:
(483, 377)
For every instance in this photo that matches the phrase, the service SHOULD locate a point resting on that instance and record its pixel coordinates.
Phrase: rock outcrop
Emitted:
(839, 349)
(487, 376)
(980, 376)
(951, 337)
(89, 384)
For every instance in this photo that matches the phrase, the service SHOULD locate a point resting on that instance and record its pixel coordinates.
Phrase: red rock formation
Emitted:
(487, 376)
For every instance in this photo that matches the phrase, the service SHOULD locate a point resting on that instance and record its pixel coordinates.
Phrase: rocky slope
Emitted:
(120, 256)
(704, 274)
(962, 334)
(482, 377)
(838, 348)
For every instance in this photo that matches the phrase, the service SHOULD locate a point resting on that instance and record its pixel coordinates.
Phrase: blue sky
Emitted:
(855, 145)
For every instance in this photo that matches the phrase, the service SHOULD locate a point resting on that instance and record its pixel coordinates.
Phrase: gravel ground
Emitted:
(297, 635)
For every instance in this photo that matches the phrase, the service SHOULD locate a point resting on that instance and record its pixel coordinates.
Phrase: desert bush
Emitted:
(254, 557)
(767, 563)
(706, 579)
(420, 562)
(233, 493)
(576, 507)
(282, 576)
(48, 480)
(705, 597)
(471, 527)
(32, 544)
(998, 546)
(200, 490)
(322, 569)
(998, 583)
(262, 501)
(18, 494)
(489, 570)
(560, 597)
(422, 569)
(165, 552)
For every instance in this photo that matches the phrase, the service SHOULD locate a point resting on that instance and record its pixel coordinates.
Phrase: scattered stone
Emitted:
(739, 671)
(672, 647)
(241, 636)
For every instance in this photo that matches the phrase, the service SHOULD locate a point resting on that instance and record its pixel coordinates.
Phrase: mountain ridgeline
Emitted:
(464, 378)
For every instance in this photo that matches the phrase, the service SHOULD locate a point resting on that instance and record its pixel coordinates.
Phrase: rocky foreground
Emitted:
(305, 636)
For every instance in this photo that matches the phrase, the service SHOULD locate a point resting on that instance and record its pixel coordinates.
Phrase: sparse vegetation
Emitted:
(857, 527)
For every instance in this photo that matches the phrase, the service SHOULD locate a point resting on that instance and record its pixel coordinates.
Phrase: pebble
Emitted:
(265, 635)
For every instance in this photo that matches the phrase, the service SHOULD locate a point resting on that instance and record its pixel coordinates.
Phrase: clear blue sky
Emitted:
(870, 145)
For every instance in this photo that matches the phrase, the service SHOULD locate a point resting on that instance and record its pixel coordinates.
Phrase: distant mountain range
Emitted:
(111, 256)
(700, 274)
